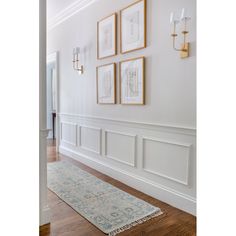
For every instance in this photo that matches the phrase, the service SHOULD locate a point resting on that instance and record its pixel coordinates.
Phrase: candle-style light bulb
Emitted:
(171, 17)
(73, 61)
(184, 15)
(77, 53)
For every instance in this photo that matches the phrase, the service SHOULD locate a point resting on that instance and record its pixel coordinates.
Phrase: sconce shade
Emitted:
(184, 15)
(173, 18)
(77, 50)
(76, 64)
(184, 50)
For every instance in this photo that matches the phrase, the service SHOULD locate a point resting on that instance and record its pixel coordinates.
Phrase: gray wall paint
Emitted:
(170, 81)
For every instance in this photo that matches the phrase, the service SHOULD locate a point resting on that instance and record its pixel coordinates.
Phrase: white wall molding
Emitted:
(44, 133)
(68, 12)
(147, 125)
(161, 155)
(90, 149)
(116, 158)
(163, 193)
(45, 215)
(44, 211)
(65, 140)
(186, 146)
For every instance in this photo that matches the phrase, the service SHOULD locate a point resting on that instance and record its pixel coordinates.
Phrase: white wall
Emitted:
(149, 147)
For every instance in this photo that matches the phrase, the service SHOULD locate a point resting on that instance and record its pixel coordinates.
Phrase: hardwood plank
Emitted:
(67, 222)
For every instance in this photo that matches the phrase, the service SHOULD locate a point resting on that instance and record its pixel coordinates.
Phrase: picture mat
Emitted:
(106, 84)
(132, 81)
(133, 27)
(106, 37)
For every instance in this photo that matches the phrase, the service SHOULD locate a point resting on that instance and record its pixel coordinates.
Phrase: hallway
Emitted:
(67, 222)
(144, 102)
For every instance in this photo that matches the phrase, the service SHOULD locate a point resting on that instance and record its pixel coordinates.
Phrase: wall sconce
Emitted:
(184, 50)
(76, 52)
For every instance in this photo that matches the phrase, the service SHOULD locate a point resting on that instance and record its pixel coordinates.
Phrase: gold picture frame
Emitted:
(107, 100)
(143, 43)
(139, 82)
(113, 51)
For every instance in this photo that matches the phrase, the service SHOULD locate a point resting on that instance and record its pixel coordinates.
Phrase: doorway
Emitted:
(52, 93)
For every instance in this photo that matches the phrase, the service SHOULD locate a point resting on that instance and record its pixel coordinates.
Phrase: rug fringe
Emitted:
(137, 222)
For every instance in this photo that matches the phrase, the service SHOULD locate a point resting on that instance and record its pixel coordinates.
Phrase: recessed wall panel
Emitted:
(121, 147)
(68, 133)
(166, 159)
(90, 139)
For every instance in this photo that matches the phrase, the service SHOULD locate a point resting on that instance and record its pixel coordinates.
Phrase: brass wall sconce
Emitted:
(184, 50)
(76, 64)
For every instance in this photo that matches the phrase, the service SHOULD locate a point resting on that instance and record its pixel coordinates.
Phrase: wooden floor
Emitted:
(67, 222)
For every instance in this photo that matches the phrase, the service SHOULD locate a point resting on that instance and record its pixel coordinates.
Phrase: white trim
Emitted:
(185, 145)
(100, 140)
(69, 123)
(115, 158)
(44, 133)
(66, 141)
(166, 127)
(52, 57)
(68, 12)
(45, 216)
(170, 196)
(120, 133)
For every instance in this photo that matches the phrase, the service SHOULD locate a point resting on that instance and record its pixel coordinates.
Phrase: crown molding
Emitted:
(68, 12)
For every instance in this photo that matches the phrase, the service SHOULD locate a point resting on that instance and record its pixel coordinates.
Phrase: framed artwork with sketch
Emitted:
(106, 37)
(106, 84)
(133, 27)
(132, 81)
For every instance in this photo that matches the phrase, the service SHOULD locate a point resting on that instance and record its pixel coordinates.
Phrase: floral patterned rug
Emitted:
(107, 207)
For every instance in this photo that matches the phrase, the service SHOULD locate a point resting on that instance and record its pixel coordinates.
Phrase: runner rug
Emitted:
(107, 207)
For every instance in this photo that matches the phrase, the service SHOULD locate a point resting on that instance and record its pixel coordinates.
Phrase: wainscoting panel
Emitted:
(90, 139)
(68, 133)
(156, 159)
(166, 159)
(120, 147)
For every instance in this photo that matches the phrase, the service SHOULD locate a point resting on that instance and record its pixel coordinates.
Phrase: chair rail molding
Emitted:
(166, 127)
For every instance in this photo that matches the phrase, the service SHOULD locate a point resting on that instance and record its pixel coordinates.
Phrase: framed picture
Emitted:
(132, 81)
(106, 84)
(106, 37)
(133, 27)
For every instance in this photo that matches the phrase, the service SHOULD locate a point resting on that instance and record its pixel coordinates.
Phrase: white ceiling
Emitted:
(56, 6)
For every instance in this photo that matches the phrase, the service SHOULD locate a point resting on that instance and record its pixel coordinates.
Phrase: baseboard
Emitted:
(45, 216)
(160, 192)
